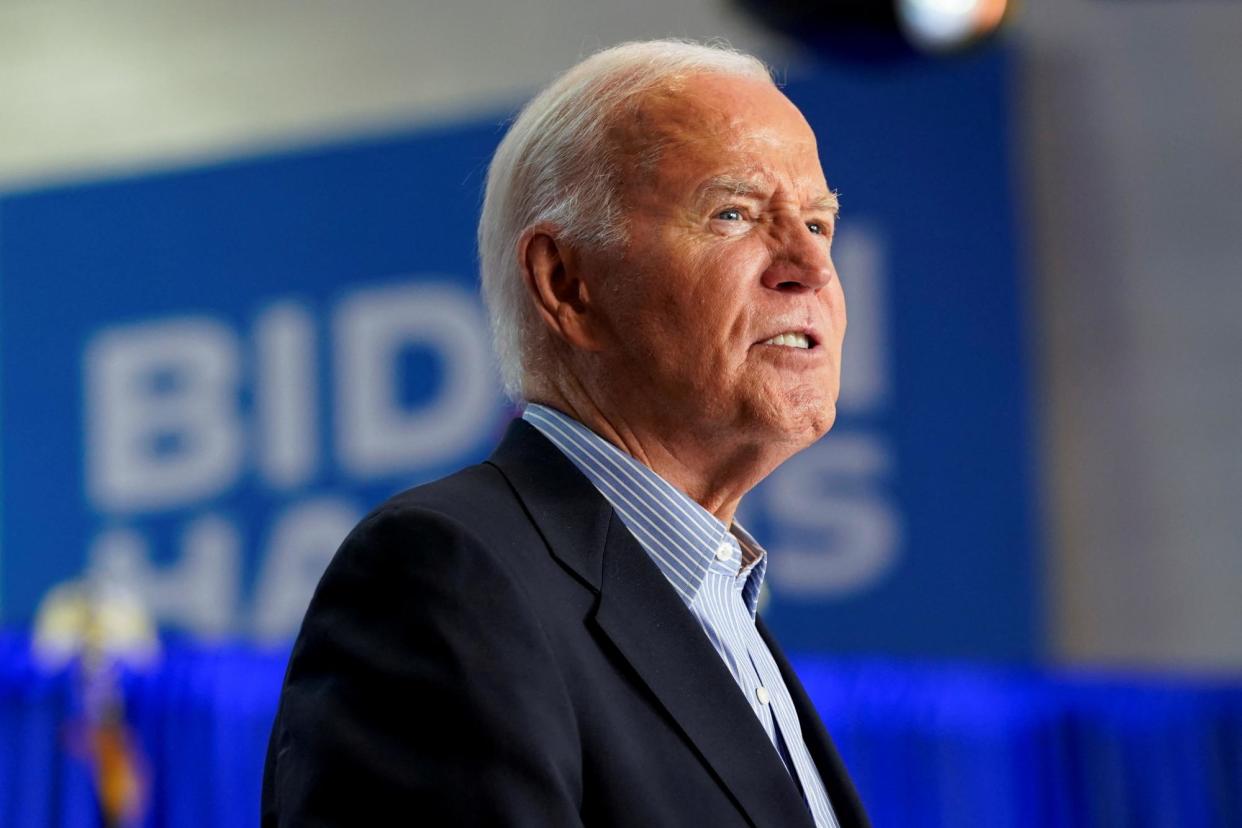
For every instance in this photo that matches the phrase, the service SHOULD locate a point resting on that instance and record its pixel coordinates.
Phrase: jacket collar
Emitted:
(569, 513)
(643, 616)
(679, 534)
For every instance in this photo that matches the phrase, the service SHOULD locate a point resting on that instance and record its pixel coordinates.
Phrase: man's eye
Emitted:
(816, 228)
(730, 214)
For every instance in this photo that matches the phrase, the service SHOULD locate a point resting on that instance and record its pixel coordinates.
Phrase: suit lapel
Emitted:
(841, 792)
(569, 513)
(645, 619)
(643, 616)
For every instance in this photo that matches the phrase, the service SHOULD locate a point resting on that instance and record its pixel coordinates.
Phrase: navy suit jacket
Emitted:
(496, 648)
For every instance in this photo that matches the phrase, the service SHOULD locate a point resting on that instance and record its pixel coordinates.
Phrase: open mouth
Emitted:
(792, 339)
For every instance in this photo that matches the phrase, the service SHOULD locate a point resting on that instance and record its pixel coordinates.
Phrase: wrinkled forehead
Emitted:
(712, 118)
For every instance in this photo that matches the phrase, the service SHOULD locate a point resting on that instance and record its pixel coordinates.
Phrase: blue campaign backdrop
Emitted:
(207, 375)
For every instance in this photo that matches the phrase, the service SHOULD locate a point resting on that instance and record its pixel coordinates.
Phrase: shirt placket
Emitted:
(787, 721)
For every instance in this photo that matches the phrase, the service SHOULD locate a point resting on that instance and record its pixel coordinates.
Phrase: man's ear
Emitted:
(554, 281)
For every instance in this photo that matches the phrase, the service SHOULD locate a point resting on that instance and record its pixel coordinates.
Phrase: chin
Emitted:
(796, 418)
(813, 425)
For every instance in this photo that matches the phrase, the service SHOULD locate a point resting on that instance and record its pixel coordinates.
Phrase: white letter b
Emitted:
(161, 418)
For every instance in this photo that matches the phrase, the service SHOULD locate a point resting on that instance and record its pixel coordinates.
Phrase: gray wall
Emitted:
(85, 86)
(1133, 129)
(1131, 124)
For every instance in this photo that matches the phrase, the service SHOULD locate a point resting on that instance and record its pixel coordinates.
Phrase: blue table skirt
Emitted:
(928, 744)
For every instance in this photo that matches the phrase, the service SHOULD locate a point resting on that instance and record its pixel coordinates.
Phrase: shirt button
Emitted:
(761, 693)
(724, 552)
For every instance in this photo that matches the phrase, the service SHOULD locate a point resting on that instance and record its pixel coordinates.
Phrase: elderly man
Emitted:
(566, 634)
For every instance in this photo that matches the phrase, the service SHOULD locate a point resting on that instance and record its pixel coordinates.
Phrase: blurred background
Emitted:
(237, 309)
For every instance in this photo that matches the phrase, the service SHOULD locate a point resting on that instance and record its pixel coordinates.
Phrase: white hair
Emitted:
(557, 164)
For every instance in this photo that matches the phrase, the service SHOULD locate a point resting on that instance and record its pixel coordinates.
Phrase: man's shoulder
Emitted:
(462, 495)
(474, 507)
(463, 534)
(491, 519)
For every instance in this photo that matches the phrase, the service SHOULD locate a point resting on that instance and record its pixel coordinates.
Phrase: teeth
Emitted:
(790, 340)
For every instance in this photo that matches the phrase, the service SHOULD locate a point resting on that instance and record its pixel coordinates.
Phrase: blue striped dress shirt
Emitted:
(702, 559)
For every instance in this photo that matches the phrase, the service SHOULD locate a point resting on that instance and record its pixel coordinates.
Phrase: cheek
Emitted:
(695, 297)
(727, 284)
(699, 295)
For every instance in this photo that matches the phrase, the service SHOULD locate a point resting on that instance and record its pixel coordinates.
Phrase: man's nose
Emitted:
(800, 261)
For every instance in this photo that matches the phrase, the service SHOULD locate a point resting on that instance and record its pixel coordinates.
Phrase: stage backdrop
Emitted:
(208, 375)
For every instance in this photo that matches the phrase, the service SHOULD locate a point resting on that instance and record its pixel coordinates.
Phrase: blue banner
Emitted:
(208, 375)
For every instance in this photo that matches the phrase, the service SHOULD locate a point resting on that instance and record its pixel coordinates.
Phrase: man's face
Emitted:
(727, 276)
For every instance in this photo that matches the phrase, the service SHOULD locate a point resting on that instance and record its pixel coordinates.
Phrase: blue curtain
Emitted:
(929, 745)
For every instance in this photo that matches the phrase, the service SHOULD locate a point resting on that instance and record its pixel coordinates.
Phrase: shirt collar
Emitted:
(680, 535)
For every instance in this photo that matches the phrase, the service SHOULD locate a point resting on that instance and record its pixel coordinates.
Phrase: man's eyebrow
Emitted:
(731, 185)
(829, 203)
(756, 188)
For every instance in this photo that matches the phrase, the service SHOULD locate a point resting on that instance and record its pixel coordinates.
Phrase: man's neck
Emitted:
(711, 472)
